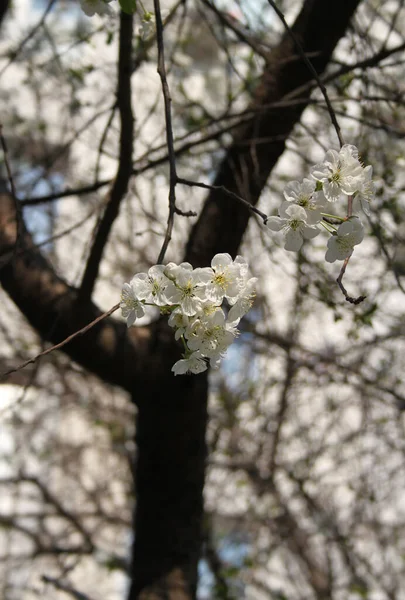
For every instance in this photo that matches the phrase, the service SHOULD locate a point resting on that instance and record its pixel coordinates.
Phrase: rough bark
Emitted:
(169, 481)
(172, 411)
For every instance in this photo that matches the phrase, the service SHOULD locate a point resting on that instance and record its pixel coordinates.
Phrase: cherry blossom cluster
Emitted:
(195, 300)
(307, 205)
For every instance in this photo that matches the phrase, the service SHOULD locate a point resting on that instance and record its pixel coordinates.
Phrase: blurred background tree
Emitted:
(282, 475)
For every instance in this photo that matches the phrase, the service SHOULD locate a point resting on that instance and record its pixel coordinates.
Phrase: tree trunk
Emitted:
(169, 480)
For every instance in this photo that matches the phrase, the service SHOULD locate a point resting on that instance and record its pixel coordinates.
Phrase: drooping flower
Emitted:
(293, 222)
(194, 363)
(180, 322)
(341, 245)
(131, 307)
(95, 7)
(340, 172)
(148, 25)
(243, 302)
(366, 191)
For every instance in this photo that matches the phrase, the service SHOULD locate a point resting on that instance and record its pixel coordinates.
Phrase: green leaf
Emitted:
(128, 6)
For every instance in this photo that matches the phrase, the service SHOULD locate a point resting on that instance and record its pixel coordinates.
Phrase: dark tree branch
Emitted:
(169, 480)
(51, 307)
(63, 343)
(373, 61)
(120, 185)
(67, 589)
(250, 40)
(17, 205)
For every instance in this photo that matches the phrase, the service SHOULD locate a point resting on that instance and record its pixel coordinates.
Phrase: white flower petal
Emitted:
(296, 212)
(310, 232)
(221, 260)
(293, 241)
(345, 228)
(275, 223)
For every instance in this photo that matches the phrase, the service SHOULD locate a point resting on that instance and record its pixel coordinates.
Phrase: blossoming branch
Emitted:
(308, 204)
(194, 298)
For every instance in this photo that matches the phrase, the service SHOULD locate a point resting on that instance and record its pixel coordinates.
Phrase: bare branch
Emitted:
(169, 131)
(63, 343)
(63, 587)
(120, 185)
(312, 70)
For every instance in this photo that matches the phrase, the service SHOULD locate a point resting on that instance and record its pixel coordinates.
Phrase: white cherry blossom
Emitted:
(148, 25)
(211, 336)
(131, 307)
(293, 222)
(304, 194)
(349, 234)
(180, 322)
(171, 269)
(207, 309)
(186, 289)
(340, 172)
(243, 302)
(226, 279)
(366, 191)
(151, 287)
(194, 363)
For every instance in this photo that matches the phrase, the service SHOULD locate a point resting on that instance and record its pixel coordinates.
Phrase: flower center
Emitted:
(345, 243)
(188, 289)
(221, 280)
(336, 176)
(295, 224)
(304, 201)
(156, 287)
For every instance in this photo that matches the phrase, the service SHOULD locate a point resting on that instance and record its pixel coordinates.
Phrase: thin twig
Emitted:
(241, 34)
(63, 587)
(312, 70)
(33, 31)
(222, 188)
(169, 131)
(63, 343)
(339, 281)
